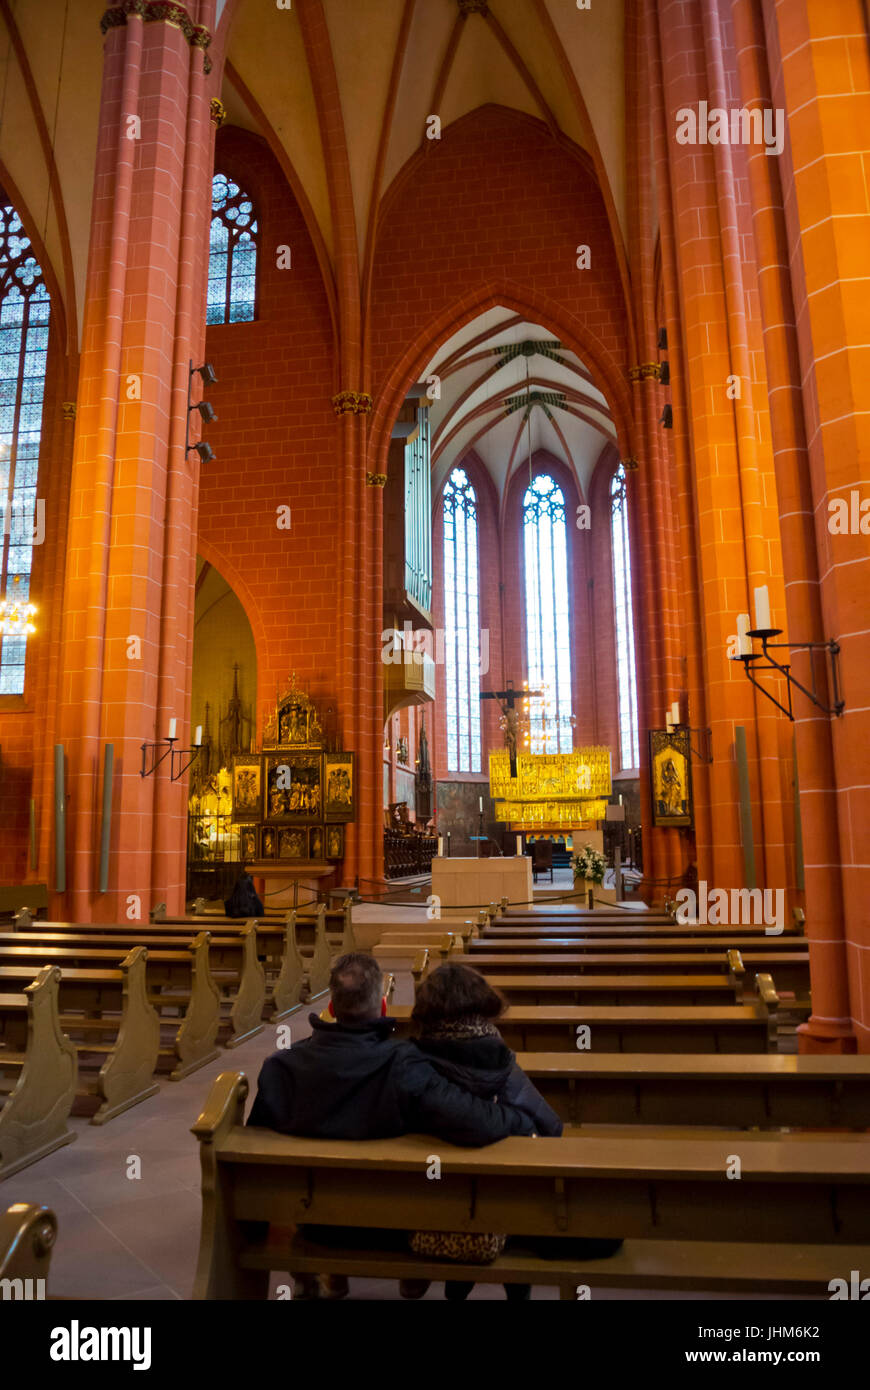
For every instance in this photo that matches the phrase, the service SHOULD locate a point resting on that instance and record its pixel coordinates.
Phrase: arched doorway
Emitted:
(223, 705)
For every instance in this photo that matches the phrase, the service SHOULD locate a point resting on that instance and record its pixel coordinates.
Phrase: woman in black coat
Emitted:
(455, 1013)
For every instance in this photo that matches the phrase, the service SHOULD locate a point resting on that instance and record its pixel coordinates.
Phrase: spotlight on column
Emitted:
(663, 340)
(667, 418)
(206, 410)
(207, 372)
(665, 373)
(205, 451)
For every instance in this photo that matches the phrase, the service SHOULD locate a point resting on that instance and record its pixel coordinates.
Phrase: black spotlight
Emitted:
(663, 340)
(208, 374)
(205, 451)
(665, 373)
(667, 418)
(206, 410)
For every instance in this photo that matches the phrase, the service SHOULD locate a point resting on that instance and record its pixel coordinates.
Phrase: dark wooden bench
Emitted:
(233, 960)
(27, 1238)
(647, 1028)
(114, 1029)
(798, 1217)
(791, 970)
(24, 898)
(179, 982)
(573, 945)
(619, 989)
(648, 1089)
(674, 930)
(337, 923)
(38, 1074)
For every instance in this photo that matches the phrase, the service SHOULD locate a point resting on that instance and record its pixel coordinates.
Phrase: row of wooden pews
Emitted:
(688, 1132)
(91, 1015)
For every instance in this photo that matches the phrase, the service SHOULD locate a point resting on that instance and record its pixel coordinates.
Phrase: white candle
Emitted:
(197, 738)
(762, 610)
(440, 845)
(519, 844)
(480, 802)
(675, 712)
(172, 728)
(744, 641)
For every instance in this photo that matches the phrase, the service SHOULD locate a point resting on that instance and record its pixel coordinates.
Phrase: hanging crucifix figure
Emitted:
(510, 719)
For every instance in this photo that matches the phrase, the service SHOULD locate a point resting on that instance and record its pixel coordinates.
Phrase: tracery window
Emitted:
(25, 307)
(462, 624)
(232, 265)
(548, 638)
(625, 664)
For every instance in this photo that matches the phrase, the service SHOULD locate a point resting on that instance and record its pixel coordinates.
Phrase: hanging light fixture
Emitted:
(16, 614)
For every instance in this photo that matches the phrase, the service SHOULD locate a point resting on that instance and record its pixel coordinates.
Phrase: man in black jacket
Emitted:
(351, 1080)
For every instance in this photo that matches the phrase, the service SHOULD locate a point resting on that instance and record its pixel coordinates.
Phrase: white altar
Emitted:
(463, 885)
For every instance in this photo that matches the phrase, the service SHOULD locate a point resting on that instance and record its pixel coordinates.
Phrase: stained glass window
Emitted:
(548, 638)
(461, 624)
(625, 667)
(232, 265)
(24, 315)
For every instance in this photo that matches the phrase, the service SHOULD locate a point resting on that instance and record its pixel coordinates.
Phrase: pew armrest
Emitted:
(766, 991)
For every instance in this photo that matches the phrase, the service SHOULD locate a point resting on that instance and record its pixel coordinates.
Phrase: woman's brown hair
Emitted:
(454, 991)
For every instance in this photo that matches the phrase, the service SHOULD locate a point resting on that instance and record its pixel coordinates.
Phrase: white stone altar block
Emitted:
(479, 882)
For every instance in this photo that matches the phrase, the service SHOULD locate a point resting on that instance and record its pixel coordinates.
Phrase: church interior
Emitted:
(436, 494)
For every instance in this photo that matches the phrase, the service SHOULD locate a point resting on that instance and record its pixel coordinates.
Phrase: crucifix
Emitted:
(510, 719)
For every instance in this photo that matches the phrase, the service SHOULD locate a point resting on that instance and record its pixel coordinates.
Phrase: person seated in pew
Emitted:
(456, 1011)
(244, 901)
(352, 1080)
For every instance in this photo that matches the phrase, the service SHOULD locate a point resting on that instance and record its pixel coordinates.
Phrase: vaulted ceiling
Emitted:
(398, 62)
(395, 63)
(509, 389)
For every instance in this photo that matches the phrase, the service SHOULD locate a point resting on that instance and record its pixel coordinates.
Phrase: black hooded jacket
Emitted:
(353, 1081)
(487, 1067)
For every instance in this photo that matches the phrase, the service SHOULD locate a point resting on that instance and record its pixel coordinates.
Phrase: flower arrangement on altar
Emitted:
(589, 864)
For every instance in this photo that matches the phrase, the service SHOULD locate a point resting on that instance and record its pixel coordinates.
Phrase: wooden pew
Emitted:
(112, 1025)
(27, 1238)
(649, 1089)
(233, 961)
(179, 982)
(337, 922)
(618, 989)
(572, 945)
(38, 1071)
(674, 930)
(24, 898)
(642, 1028)
(791, 969)
(809, 1199)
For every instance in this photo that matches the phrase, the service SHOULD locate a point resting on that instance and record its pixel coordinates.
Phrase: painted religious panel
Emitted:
(335, 842)
(315, 843)
(670, 777)
(292, 844)
(340, 791)
(248, 846)
(247, 788)
(268, 841)
(293, 787)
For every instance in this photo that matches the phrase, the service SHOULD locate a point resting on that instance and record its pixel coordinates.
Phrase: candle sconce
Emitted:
(703, 737)
(764, 635)
(177, 765)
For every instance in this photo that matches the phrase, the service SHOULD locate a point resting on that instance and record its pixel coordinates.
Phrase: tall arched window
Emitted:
(548, 638)
(232, 265)
(628, 734)
(24, 315)
(462, 624)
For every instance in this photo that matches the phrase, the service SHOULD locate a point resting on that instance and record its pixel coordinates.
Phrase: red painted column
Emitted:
(819, 75)
(121, 490)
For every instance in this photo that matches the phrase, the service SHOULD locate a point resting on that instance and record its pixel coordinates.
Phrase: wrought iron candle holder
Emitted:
(177, 766)
(770, 663)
